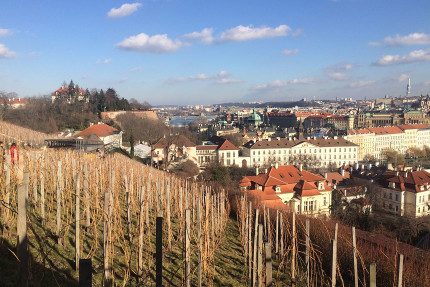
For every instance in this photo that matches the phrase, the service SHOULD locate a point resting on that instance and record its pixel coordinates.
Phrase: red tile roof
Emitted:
(227, 145)
(386, 130)
(100, 130)
(411, 181)
(288, 178)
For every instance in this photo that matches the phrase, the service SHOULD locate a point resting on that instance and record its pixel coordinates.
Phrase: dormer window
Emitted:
(278, 189)
(392, 185)
(320, 185)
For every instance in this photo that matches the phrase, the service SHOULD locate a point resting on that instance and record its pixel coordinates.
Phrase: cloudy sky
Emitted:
(202, 52)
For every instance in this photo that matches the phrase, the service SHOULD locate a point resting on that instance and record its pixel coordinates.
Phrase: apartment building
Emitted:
(321, 151)
(373, 141)
(405, 193)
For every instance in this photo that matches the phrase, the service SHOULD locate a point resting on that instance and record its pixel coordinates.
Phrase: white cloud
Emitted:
(338, 76)
(4, 32)
(5, 53)
(414, 56)
(150, 44)
(225, 81)
(360, 84)
(339, 67)
(290, 52)
(135, 69)
(411, 39)
(104, 62)
(205, 36)
(221, 78)
(245, 33)
(403, 77)
(123, 80)
(125, 10)
(219, 75)
(279, 83)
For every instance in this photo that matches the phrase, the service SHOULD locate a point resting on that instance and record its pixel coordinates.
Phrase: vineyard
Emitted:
(140, 226)
(79, 206)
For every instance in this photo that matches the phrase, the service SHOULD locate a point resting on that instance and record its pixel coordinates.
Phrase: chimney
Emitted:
(369, 166)
(325, 175)
(406, 174)
(265, 170)
(276, 165)
(397, 173)
(344, 192)
(256, 171)
(308, 138)
(300, 167)
(335, 137)
(342, 172)
(269, 139)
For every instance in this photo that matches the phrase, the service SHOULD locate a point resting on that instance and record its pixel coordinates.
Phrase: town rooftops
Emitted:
(100, 130)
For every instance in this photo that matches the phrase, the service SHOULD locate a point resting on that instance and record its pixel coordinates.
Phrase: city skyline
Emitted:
(186, 52)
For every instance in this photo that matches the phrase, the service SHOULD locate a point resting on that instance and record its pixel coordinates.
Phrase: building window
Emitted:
(305, 206)
(397, 197)
(325, 201)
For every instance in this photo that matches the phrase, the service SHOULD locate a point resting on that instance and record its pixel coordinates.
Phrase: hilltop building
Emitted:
(70, 94)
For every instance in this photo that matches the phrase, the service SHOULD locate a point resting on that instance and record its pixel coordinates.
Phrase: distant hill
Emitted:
(273, 104)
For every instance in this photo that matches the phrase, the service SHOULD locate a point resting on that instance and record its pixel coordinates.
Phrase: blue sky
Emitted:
(204, 52)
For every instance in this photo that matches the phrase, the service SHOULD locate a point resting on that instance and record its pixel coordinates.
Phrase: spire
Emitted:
(408, 88)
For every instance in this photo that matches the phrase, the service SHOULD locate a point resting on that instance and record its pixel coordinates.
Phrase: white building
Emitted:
(319, 151)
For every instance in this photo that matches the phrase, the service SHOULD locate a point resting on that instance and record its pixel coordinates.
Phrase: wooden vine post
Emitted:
(106, 239)
(187, 247)
(354, 246)
(59, 193)
(78, 221)
(308, 253)
(334, 258)
(293, 252)
(159, 252)
(199, 238)
(22, 231)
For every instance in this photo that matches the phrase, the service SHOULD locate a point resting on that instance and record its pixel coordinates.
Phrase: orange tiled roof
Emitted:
(289, 179)
(100, 130)
(227, 145)
(386, 130)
